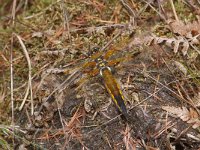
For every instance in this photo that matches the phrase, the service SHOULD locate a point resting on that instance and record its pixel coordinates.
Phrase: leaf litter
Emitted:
(74, 112)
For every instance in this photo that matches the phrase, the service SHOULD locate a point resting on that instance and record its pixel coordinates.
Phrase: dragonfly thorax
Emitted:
(103, 68)
(102, 65)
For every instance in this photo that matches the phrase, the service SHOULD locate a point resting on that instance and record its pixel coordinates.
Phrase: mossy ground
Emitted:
(60, 34)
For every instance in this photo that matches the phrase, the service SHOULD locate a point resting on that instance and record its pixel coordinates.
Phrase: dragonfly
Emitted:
(100, 63)
(101, 66)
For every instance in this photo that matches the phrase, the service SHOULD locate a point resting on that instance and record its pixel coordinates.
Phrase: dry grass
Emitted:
(47, 100)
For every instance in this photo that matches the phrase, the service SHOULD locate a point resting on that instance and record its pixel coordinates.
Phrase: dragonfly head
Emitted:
(93, 51)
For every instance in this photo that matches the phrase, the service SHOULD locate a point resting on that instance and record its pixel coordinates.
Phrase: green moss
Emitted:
(46, 2)
(183, 12)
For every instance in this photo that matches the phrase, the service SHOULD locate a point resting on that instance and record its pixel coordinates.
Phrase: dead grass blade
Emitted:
(29, 88)
(174, 10)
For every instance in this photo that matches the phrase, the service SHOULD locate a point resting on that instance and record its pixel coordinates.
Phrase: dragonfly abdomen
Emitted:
(113, 88)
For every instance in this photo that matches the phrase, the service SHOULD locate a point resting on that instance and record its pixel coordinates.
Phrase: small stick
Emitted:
(115, 37)
(130, 11)
(174, 11)
(66, 20)
(11, 69)
(128, 8)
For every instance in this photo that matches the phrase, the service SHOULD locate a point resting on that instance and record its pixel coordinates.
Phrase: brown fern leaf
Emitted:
(183, 29)
(190, 116)
(176, 44)
(189, 36)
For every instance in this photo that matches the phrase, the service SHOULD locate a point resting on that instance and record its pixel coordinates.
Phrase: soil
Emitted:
(52, 95)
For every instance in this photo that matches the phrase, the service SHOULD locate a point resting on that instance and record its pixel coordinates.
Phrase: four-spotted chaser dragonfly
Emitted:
(100, 63)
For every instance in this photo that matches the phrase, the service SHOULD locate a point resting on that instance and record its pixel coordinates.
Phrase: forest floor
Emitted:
(52, 94)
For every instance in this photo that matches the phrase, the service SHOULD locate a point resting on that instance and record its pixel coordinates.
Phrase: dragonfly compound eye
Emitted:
(93, 51)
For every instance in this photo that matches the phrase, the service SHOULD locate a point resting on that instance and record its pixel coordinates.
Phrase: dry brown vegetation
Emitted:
(48, 101)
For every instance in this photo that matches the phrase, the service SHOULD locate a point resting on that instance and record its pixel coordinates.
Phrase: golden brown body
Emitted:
(113, 89)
